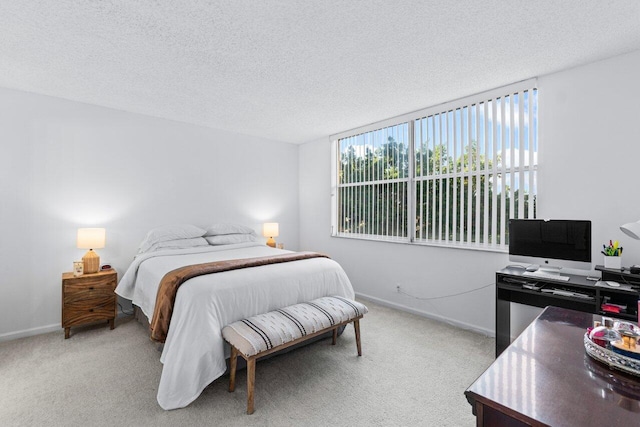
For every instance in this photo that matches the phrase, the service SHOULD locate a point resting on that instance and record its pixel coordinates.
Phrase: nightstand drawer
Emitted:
(89, 310)
(78, 292)
(89, 282)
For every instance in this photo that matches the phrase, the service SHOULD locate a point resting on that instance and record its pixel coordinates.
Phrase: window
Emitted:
(452, 175)
(374, 183)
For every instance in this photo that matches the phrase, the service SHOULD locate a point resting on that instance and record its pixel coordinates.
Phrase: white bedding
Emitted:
(194, 352)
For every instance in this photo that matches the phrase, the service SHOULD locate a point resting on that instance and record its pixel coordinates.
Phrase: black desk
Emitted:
(509, 288)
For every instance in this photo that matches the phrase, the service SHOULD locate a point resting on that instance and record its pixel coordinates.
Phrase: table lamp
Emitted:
(91, 238)
(270, 230)
(632, 229)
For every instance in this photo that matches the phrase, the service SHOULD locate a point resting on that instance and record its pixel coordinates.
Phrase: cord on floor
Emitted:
(445, 296)
(125, 312)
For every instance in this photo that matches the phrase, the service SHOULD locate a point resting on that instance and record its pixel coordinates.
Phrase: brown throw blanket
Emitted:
(172, 280)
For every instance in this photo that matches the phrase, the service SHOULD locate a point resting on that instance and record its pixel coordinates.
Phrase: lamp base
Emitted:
(271, 242)
(91, 262)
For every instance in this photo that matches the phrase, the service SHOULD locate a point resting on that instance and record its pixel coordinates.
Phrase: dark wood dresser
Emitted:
(545, 378)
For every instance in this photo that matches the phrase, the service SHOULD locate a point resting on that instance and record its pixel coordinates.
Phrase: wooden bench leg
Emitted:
(335, 336)
(251, 381)
(233, 362)
(356, 326)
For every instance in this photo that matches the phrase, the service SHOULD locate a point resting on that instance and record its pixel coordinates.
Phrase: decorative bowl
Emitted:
(612, 359)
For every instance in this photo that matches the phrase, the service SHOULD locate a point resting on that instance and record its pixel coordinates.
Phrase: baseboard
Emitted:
(31, 332)
(41, 330)
(56, 327)
(437, 317)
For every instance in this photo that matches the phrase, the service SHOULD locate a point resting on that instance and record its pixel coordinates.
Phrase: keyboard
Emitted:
(546, 276)
(564, 293)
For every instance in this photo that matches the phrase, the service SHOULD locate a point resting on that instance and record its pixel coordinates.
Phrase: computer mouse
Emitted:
(613, 284)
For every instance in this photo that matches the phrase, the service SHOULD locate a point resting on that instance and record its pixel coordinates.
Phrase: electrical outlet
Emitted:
(398, 288)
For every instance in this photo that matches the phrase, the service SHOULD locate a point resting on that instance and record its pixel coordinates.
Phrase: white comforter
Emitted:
(194, 352)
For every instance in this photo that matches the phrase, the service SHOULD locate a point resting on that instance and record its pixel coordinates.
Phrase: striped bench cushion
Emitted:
(269, 330)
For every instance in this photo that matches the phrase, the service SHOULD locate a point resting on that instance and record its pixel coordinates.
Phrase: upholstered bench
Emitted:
(267, 333)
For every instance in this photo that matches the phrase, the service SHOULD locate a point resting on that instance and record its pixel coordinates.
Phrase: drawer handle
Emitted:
(90, 288)
(91, 310)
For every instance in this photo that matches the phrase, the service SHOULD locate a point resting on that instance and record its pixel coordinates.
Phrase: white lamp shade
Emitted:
(91, 238)
(270, 229)
(632, 229)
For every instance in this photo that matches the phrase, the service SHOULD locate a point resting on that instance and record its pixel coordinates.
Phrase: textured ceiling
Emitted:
(298, 70)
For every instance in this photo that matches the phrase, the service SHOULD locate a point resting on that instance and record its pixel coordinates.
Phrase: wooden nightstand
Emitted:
(88, 298)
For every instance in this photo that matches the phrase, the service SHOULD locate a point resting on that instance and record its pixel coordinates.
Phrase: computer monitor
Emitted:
(551, 244)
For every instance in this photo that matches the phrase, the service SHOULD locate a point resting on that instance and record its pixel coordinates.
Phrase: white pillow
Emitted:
(169, 232)
(222, 229)
(179, 244)
(228, 239)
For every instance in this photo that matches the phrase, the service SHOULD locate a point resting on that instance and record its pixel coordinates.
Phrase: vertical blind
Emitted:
(453, 174)
(373, 183)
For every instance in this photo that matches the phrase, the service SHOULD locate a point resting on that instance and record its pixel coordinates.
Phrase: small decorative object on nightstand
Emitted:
(78, 268)
(88, 298)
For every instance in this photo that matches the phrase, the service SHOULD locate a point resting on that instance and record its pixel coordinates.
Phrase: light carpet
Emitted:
(413, 371)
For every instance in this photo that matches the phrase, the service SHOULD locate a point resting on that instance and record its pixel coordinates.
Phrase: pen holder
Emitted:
(613, 262)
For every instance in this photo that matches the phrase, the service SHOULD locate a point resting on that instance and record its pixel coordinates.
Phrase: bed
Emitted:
(194, 352)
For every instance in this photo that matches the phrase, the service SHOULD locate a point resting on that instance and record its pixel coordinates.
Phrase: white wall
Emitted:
(65, 165)
(589, 155)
